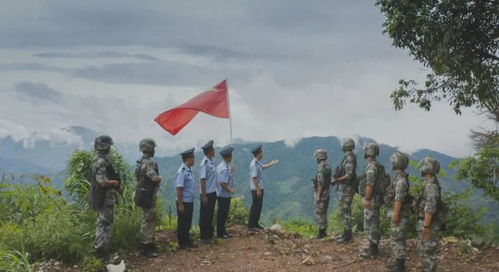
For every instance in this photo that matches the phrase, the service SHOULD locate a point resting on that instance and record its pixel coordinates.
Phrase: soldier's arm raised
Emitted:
(270, 164)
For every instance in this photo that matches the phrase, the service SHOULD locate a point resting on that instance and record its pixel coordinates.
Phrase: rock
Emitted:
(205, 263)
(450, 240)
(478, 242)
(308, 261)
(276, 227)
(267, 253)
(116, 268)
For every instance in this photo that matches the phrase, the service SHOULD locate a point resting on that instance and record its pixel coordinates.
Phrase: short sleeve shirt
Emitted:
(208, 172)
(256, 171)
(185, 179)
(224, 175)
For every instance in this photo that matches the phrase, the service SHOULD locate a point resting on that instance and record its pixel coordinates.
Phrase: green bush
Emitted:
(15, 261)
(300, 226)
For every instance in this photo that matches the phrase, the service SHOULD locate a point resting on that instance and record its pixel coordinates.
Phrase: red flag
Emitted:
(213, 102)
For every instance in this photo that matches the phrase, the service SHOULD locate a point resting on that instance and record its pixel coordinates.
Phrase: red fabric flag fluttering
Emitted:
(213, 102)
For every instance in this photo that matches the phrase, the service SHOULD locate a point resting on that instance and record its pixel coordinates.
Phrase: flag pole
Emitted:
(230, 117)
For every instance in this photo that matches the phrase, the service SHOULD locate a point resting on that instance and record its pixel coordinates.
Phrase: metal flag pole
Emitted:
(230, 116)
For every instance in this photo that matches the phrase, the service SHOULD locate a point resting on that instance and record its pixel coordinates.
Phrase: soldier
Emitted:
(148, 180)
(208, 186)
(399, 203)
(372, 201)
(256, 186)
(430, 213)
(346, 186)
(106, 181)
(322, 182)
(185, 187)
(225, 190)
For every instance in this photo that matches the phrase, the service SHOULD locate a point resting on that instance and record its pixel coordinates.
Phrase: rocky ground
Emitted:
(277, 250)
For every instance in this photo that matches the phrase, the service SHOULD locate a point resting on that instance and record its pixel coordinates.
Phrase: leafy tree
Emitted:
(458, 40)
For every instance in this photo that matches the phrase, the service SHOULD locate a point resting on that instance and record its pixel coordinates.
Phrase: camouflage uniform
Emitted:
(147, 174)
(104, 229)
(323, 178)
(398, 233)
(347, 191)
(371, 216)
(428, 203)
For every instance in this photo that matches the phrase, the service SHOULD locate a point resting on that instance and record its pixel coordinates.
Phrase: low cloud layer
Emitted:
(295, 69)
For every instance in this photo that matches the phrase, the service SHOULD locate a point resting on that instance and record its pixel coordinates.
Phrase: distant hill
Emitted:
(287, 188)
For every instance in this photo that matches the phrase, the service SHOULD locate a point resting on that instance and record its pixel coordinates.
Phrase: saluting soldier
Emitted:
(430, 214)
(185, 189)
(399, 203)
(148, 181)
(106, 182)
(322, 183)
(346, 186)
(256, 186)
(208, 188)
(225, 190)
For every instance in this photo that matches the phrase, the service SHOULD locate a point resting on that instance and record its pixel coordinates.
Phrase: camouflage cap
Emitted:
(347, 144)
(399, 161)
(103, 143)
(320, 154)
(147, 145)
(429, 165)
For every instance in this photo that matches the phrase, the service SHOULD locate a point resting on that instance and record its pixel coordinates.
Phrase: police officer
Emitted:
(430, 215)
(256, 186)
(225, 190)
(185, 189)
(148, 180)
(372, 201)
(208, 186)
(399, 203)
(322, 182)
(104, 176)
(346, 186)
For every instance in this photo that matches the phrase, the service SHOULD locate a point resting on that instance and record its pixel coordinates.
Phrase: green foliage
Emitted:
(238, 214)
(336, 223)
(458, 40)
(15, 261)
(482, 170)
(300, 226)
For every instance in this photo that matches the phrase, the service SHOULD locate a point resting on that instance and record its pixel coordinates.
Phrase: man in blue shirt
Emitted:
(208, 186)
(185, 186)
(256, 186)
(225, 190)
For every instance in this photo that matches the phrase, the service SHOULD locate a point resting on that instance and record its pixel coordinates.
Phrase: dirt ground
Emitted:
(278, 251)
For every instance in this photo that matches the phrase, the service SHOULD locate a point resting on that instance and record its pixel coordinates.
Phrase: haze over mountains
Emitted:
(288, 188)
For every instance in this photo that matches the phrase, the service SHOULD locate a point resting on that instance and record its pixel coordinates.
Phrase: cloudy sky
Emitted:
(295, 69)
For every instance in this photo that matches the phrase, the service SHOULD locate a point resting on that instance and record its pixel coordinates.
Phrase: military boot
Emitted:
(370, 252)
(345, 238)
(397, 266)
(103, 254)
(149, 251)
(321, 234)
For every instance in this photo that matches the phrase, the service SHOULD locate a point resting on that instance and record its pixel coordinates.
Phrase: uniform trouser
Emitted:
(398, 238)
(371, 223)
(321, 213)
(184, 222)
(104, 228)
(256, 209)
(206, 213)
(222, 214)
(428, 249)
(345, 203)
(146, 232)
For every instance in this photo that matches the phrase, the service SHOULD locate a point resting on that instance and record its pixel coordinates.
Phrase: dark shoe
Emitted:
(371, 252)
(321, 234)
(103, 254)
(184, 247)
(345, 238)
(208, 241)
(228, 235)
(192, 245)
(224, 236)
(397, 266)
(259, 227)
(149, 251)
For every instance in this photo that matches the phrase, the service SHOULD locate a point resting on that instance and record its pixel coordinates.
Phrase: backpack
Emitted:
(442, 207)
(383, 180)
(390, 194)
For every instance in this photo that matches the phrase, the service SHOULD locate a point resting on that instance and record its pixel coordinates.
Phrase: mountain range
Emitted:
(288, 188)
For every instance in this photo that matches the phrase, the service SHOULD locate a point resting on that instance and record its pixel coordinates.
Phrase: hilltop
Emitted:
(282, 251)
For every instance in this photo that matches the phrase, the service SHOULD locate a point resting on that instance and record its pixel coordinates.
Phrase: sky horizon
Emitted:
(294, 70)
